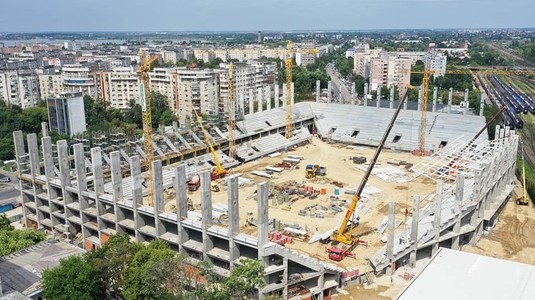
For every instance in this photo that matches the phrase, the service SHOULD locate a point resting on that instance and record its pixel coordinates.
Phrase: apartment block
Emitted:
(436, 62)
(169, 56)
(197, 90)
(122, 86)
(66, 113)
(390, 72)
(19, 88)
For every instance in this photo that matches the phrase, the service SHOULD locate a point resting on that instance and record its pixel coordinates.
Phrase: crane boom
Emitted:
(341, 235)
(219, 170)
(144, 93)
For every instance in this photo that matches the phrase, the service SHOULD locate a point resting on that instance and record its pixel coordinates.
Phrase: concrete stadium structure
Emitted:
(88, 195)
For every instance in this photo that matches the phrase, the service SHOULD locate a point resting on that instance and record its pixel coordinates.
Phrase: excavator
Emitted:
(524, 199)
(219, 171)
(344, 233)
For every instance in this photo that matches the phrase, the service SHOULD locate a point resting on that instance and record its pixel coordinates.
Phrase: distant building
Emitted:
(169, 57)
(19, 88)
(436, 62)
(302, 58)
(390, 72)
(259, 37)
(66, 113)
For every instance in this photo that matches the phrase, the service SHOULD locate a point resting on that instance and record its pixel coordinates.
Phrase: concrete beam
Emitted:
(365, 94)
(157, 195)
(117, 184)
(81, 186)
(459, 193)
(435, 98)
(33, 150)
(98, 186)
(378, 103)
(329, 91)
(206, 208)
(276, 95)
(450, 99)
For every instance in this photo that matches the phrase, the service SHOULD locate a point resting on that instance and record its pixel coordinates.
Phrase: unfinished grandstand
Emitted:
(266, 209)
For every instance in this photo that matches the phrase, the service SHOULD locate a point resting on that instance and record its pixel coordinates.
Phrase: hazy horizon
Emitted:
(269, 15)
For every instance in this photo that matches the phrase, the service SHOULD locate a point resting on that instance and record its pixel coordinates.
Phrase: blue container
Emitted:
(336, 191)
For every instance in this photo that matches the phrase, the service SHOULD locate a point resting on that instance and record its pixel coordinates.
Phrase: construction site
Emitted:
(324, 194)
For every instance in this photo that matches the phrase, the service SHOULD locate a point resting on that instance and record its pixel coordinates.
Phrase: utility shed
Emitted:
(459, 275)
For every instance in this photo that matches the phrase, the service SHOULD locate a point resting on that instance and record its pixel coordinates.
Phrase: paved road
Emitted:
(9, 190)
(336, 80)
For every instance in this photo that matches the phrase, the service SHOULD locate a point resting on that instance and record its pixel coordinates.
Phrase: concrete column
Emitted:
(44, 128)
(329, 91)
(292, 95)
(459, 193)
(175, 127)
(241, 99)
(64, 170)
(180, 186)
(365, 94)
(263, 218)
(268, 97)
(420, 98)
(438, 215)
(414, 229)
(435, 97)
(81, 186)
(137, 194)
(353, 93)
(117, 183)
(466, 102)
(390, 236)
(277, 95)
(284, 95)
(482, 104)
(234, 217)
(450, 99)
(378, 103)
(33, 150)
(98, 186)
(404, 103)
(251, 101)
(48, 162)
(157, 195)
(318, 90)
(206, 208)
(391, 98)
(20, 150)
(259, 99)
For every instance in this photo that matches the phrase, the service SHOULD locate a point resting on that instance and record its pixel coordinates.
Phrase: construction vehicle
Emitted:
(311, 171)
(338, 254)
(344, 233)
(524, 199)
(215, 188)
(194, 183)
(219, 171)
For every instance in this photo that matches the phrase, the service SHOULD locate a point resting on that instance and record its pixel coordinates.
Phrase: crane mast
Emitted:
(144, 95)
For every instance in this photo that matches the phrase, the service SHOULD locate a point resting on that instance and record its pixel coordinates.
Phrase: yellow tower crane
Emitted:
(425, 93)
(231, 114)
(144, 96)
(289, 64)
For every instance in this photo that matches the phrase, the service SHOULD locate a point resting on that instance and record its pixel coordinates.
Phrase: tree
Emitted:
(5, 224)
(245, 279)
(12, 240)
(74, 278)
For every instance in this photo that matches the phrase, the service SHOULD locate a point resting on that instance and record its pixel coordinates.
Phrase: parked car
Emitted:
(4, 178)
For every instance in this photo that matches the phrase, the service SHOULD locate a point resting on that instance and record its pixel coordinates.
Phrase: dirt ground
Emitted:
(336, 158)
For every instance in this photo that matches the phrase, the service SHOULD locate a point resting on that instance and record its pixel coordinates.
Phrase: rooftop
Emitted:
(459, 275)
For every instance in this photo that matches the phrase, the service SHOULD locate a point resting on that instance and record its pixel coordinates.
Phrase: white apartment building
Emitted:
(302, 55)
(168, 56)
(204, 54)
(390, 71)
(197, 90)
(362, 61)
(122, 86)
(50, 85)
(19, 88)
(436, 62)
(165, 81)
(78, 79)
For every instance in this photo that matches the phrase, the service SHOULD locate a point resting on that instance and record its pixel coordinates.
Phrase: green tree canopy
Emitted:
(74, 278)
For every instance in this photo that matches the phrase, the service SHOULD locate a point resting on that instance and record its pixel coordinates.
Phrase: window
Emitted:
(396, 139)
(355, 133)
(443, 144)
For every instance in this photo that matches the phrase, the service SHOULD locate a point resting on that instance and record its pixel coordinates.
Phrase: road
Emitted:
(9, 190)
(339, 84)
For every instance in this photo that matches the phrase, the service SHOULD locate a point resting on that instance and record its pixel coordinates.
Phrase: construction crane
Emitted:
(219, 171)
(343, 234)
(231, 114)
(524, 199)
(425, 93)
(289, 64)
(144, 96)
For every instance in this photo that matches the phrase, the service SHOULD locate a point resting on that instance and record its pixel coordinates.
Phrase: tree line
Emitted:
(13, 240)
(127, 270)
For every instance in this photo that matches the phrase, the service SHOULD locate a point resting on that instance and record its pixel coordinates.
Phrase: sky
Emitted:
(266, 15)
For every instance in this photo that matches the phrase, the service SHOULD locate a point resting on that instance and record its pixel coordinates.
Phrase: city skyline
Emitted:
(271, 15)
